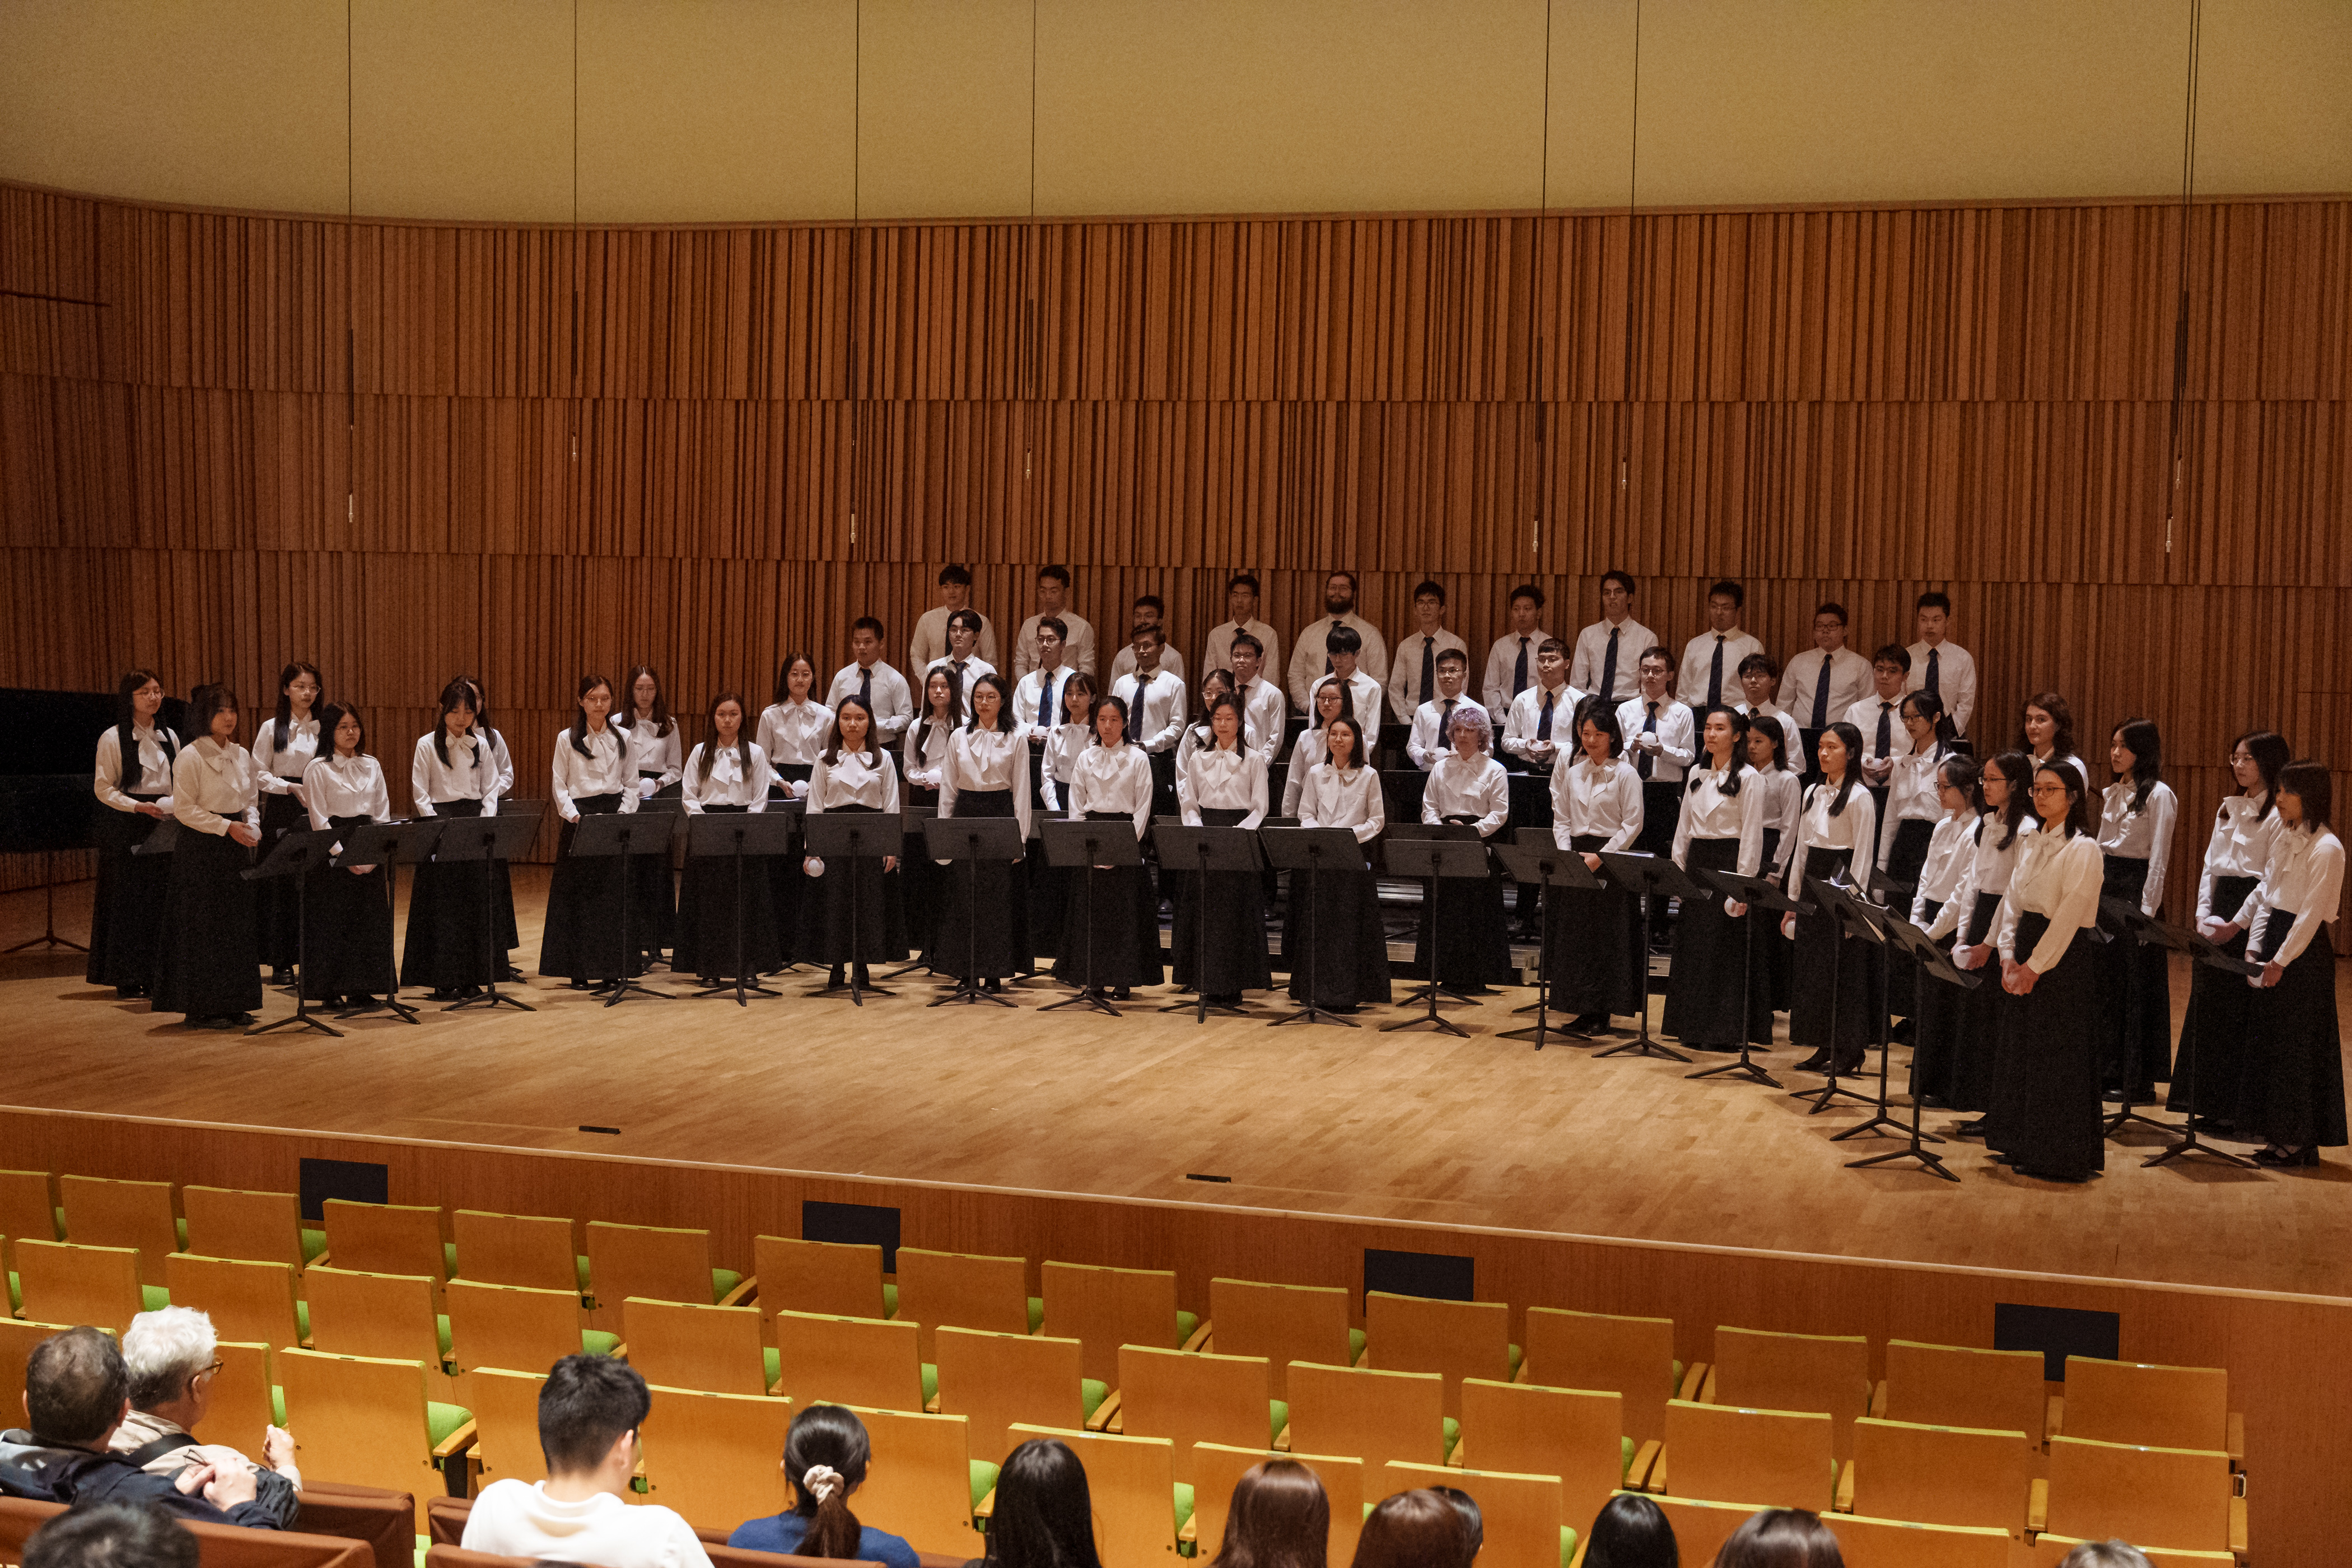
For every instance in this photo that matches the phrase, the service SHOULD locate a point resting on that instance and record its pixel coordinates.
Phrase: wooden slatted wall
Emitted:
(703, 447)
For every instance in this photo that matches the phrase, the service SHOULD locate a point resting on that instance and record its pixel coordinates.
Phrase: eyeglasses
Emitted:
(2042, 789)
(211, 1371)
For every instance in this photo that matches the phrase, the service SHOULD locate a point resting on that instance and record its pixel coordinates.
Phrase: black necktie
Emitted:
(1933, 688)
(1326, 645)
(1715, 674)
(1885, 728)
(1520, 669)
(1649, 727)
(1445, 725)
(1049, 714)
(866, 686)
(1428, 666)
(1608, 667)
(1822, 694)
(1543, 720)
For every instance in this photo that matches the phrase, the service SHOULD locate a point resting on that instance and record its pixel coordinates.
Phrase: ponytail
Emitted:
(825, 1455)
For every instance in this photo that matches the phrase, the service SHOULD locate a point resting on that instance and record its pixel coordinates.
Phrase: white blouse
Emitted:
(730, 781)
(1989, 869)
(924, 752)
(1946, 866)
(346, 786)
(155, 767)
(1854, 828)
(1217, 779)
(2058, 876)
(1709, 812)
(1475, 785)
(279, 768)
(856, 780)
(1586, 800)
(212, 785)
(652, 753)
(472, 772)
(1064, 747)
(1912, 792)
(792, 733)
(1783, 803)
(2142, 834)
(2071, 759)
(1352, 800)
(2239, 846)
(1107, 778)
(2303, 880)
(1306, 754)
(981, 760)
(606, 770)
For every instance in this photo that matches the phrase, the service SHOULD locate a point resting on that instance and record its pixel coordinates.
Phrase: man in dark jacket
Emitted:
(77, 1392)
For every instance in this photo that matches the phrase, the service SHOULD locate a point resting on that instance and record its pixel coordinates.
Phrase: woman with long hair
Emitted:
(593, 776)
(826, 1452)
(347, 947)
(1045, 1514)
(133, 785)
(726, 924)
(1914, 806)
(206, 957)
(1221, 784)
(455, 944)
(2045, 733)
(2213, 1033)
(1711, 1002)
(1332, 699)
(2293, 1089)
(983, 927)
(791, 735)
(1970, 916)
(1630, 1531)
(656, 748)
(1110, 927)
(1936, 1011)
(1594, 945)
(923, 761)
(1417, 1529)
(1835, 999)
(282, 750)
(848, 912)
(2136, 818)
(1332, 932)
(1783, 788)
(1279, 1518)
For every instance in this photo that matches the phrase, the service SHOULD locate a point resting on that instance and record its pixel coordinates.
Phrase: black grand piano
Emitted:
(45, 779)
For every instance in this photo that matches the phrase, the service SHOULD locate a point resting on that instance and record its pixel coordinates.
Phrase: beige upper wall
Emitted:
(715, 110)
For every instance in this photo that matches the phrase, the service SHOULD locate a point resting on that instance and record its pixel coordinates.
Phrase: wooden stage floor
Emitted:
(1411, 1125)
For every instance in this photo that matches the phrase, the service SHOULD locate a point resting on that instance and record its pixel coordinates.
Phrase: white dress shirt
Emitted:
(1475, 785)
(1947, 864)
(213, 786)
(1678, 743)
(1350, 799)
(1112, 778)
(730, 781)
(1306, 754)
(1171, 662)
(1956, 679)
(925, 752)
(1849, 683)
(472, 772)
(1310, 662)
(973, 669)
(793, 732)
(1855, 829)
(1220, 778)
(2240, 847)
(346, 786)
(1698, 665)
(278, 767)
(1591, 656)
(930, 640)
(1037, 711)
(1155, 713)
(1526, 716)
(2303, 880)
(1864, 715)
(155, 767)
(1587, 799)
(1502, 670)
(517, 1519)
(1912, 790)
(2142, 834)
(894, 700)
(664, 756)
(1078, 648)
(1709, 812)
(1783, 806)
(1064, 747)
(1367, 703)
(857, 779)
(1265, 718)
(1773, 713)
(1403, 682)
(1218, 654)
(1428, 741)
(2057, 877)
(1987, 868)
(982, 759)
(606, 770)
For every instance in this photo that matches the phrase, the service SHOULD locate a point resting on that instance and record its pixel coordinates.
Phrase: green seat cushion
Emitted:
(772, 1360)
(424, 1545)
(277, 1405)
(1357, 1341)
(1183, 1504)
(1185, 1323)
(580, 1266)
(180, 1228)
(722, 1281)
(1518, 1355)
(1676, 1385)
(441, 1333)
(596, 1341)
(302, 1318)
(449, 1261)
(983, 1481)
(889, 1299)
(314, 1242)
(1453, 1434)
(153, 1297)
(57, 1215)
(930, 1381)
(1624, 1457)
(1277, 1416)
(1092, 1392)
(440, 1419)
(16, 1295)
(1567, 1545)
(1037, 1313)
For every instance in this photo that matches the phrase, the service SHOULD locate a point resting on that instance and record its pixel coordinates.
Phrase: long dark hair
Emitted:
(1960, 771)
(1224, 699)
(2078, 794)
(1003, 704)
(1851, 739)
(1602, 714)
(1206, 736)
(923, 714)
(1631, 1531)
(873, 731)
(1081, 684)
(2017, 772)
(784, 679)
(2308, 781)
(742, 750)
(1416, 1528)
(2267, 747)
(331, 719)
(460, 693)
(126, 733)
(285, 722)
(1776, 734)
(624, 708)
(1280, 1518)
(830, 1435)
(206, 701)
(1347, 691)
(1783, 1537)
(1739, 748)
(1928, 706)
(588, 683)
(1094, 716)
(1045, 1514)
(2061, 732)
(2141, 738)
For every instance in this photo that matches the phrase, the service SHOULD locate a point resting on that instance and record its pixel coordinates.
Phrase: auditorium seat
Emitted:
(717, 1458)
(1938, 1475)
(1528, 1430)
(389, 1238)
(17, 1338)
(534, 1251)
(1701, 1526)
(449, 1515)
(1283, 1323)
(925, 1481)
(711, 1350)
(63, 1282)
(251, 1301)
(1954, 1385)
(1632, 1357)
(1729, 1453)
(1139, 1506)
(996, 1380)
(260, 1227)
(1454, 1339)
(139, 1214)
(242, 1404)
(1525, 1524)
(1374, 1416)
(519, 1329)
(2172, 1497)
(384, 1522)
(1767, 1371)
(836, 1279)
(964, 1291)
(2164, 1407)
(1103, 1308)
(1218, 1468)
(218, 1545)
(504, 1406)
(367, 1421)
(659, 1263)
(827, 1359)
(1868, 1542)
(1190, 1398)
(2049, 1552)
(389, 1316)
(28, 1211)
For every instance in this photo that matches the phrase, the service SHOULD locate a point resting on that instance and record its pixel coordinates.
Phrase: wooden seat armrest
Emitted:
(987, 1509)
(1643, 1458)
(1843, 1501)
(2238, 1527)
(931, 1406)
(1878, 1401)
(2037, 1506)
(776, 1389)
(1694, 1377)
(456, 1442)
(1454, 1461)
(1519, 1373)
(2053, 1419)
(1706, 1389)
(1192, 1530)
(746, 1289)
(1282, 1440)
(620, 1349)
(2237, 1440)
(1101, 1419)
(1655, 1480)
(1201, 1338)
(1582, 1542)
(324, 1260)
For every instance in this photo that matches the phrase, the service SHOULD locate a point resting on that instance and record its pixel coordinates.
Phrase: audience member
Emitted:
(2085, 1555)
(1781, 1538)
(1044, 1515)
(1471, 1519)
(1417, 1529)
(1631, 1531)
(825, 1454)
(172, 1356)
(1279, 1518)
(111, 1535)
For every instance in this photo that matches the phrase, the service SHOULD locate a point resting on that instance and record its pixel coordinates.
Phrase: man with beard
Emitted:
(1310, 660)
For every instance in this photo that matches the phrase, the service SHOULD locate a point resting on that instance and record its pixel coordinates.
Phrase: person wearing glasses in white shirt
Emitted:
(1942, 668)
(2213, 1030)
(1609, 651)
(1265, 712)
(208, 956)
(1333, 937)
(1463, 943)
(1820, 684)
(1709, 676)
(1511, 661)
(1425, 743)
(1759, 678)
(931, 641)
(2295, 1088)
(1413, 668)
(1053, 605)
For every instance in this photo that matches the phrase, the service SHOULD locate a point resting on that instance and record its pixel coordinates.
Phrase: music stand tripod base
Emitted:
(296, 855)
(1543, 864)
(970, 840)
(1297, 849)
(737, 837)
(499, 837)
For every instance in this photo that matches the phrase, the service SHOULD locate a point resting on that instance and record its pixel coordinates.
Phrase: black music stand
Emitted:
(1543, 865)
(970, 840)
(297, 854)
(911, 815)
(49, 937)
(1203, 851)
(2202, 951)
(1649, 878)
(627, 836)
(1297, 849)
(1083, 846)
(1934, 964)
(391, 845)
(492, 839)
(1409, 829)
(1435, 861)
(2139, 928)
(845, 835)
(163, 840)
(1758, 893)
(1839, 906)
(737, 836)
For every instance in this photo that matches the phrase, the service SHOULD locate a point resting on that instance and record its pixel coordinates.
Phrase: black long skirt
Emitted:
(1049, 886)
(2135, 1024)
(1906, 859)
(126, 914)
(1827, 966)
(2293, 1093)
(983, 916)
(205, 962)
(787, 883)
(1936, 1024)
(1771, 953)
(922, 884)
(454, 914)
(1708, 992)
(2045, 1111)
(1465, 922)
(1662, 806)
(652, 906)
(1332, 937)
(347, 940)
(846, 910)
(1235, 959)
(2213, 1031)
(582, 937)
(1596, 961)
(1982, 1010)
(1109, 927)
(708, 925)
(277, 914)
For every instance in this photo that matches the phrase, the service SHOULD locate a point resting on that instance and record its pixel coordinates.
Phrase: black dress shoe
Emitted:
(1818, 1062)
(1122, 994)
(512, 974)
(1971, 1129)
(282, 975)
(2309, 1156)
(125, 993)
